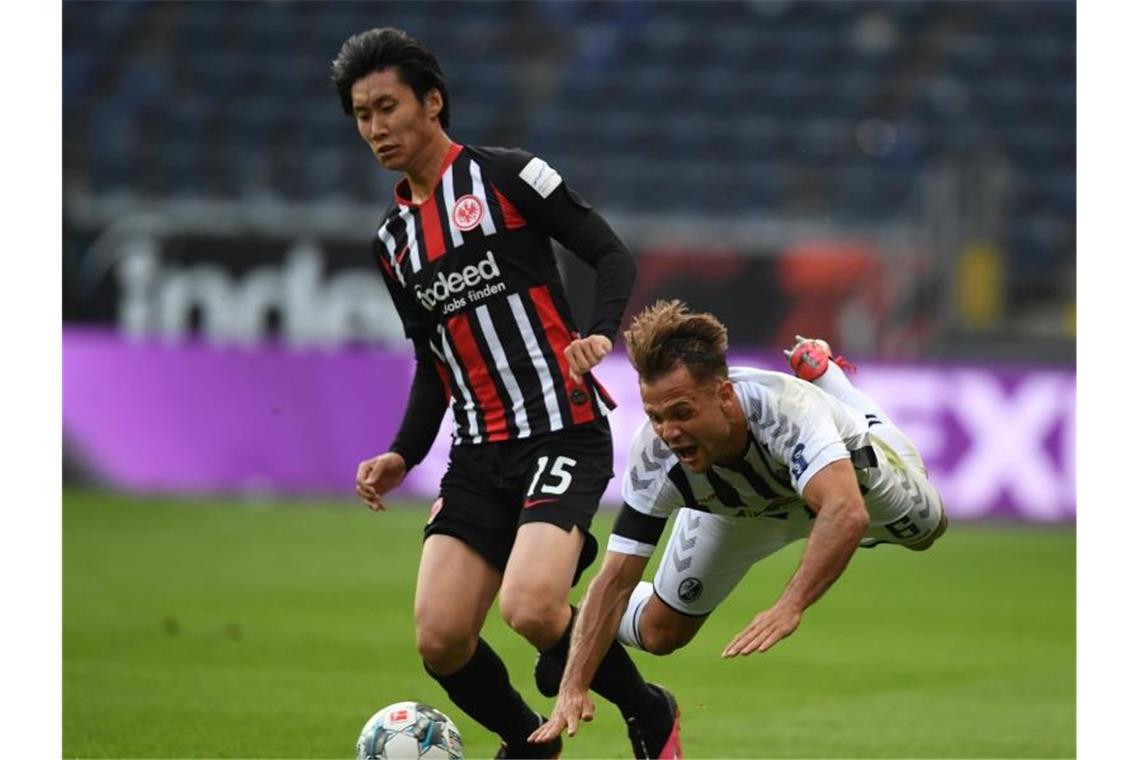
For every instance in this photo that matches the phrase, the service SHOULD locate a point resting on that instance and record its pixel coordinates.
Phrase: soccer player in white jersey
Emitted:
(754, 460)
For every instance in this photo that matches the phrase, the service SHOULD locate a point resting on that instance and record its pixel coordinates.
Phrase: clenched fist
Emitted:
(584, 354)
(377, 476)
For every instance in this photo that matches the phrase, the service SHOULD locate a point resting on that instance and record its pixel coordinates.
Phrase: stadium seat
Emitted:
(777, 97)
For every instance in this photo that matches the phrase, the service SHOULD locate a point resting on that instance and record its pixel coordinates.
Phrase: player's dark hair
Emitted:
(667, 334)
(378, 49)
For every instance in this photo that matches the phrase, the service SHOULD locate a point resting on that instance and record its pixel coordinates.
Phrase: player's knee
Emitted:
(926, 543)
(535, 616)
(662, 639)
(445, 648)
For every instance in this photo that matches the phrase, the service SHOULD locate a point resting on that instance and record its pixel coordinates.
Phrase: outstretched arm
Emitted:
(833, 494)
(593, 633)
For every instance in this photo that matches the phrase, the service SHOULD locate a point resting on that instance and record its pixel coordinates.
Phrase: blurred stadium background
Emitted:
(899, 177)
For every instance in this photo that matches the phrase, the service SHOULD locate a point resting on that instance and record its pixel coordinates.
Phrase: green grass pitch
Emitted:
(215, 629)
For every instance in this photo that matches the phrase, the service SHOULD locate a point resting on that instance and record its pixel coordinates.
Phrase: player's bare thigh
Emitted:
(535, 596)
(454, 590)
(663, 630)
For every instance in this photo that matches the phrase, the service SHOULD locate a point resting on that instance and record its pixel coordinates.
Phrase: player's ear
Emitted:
(433, 103)
(724, 391)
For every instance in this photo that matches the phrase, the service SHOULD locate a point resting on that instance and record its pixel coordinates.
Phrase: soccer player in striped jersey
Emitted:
(752, 461)
(465, 251)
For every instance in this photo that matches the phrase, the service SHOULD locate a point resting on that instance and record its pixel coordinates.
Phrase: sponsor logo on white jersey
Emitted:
(539, 175)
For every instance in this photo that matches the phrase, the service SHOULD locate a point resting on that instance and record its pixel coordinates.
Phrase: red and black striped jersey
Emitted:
(472, 272)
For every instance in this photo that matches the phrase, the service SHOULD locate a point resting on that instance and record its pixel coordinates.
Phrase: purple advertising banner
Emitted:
(188, 418)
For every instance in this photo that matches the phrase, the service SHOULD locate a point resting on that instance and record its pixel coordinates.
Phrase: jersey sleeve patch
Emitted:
(822, 457)
(541, 177)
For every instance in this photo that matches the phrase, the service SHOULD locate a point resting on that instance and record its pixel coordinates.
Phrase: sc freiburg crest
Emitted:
(690, 589)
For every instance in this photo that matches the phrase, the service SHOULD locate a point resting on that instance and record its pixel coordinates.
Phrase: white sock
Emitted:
(834, 381)
(631, 618)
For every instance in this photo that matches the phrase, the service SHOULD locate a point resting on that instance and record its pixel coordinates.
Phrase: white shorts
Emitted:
(904, 506)
(708, 554)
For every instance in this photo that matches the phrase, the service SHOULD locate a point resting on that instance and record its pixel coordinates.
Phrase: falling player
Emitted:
(754, 460)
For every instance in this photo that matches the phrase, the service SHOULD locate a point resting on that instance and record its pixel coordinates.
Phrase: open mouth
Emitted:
(685, 453)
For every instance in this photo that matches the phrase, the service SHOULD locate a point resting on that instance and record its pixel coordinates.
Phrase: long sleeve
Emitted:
(544, 198)
(428, 397)
(595, 242)
(427, 402)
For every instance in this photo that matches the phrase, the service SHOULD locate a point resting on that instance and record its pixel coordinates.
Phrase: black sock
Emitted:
(561, 649)
(617, 679)
(483, 690)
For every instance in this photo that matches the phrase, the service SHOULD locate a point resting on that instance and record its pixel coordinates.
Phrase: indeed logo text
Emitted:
(460, 286)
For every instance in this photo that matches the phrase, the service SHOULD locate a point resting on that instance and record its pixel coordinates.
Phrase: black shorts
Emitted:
(490, 489)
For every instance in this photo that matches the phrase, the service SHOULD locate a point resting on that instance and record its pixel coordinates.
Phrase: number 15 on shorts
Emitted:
(554, 481)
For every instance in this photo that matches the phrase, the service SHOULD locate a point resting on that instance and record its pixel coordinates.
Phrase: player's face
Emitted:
(392, 120)
(693, 419)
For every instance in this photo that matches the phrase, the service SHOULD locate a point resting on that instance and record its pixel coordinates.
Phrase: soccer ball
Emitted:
(409, 731)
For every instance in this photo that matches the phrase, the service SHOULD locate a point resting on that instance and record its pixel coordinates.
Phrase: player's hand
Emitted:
(584, 354)
(765, 630)
(573, 706)
(377, 476)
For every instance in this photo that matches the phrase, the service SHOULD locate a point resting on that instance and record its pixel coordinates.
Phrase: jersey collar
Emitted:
(403, 192)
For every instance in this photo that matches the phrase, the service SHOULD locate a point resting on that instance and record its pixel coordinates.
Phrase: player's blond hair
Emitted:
(667, 334)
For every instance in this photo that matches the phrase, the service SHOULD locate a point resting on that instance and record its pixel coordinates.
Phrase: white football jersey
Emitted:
(794, 430)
